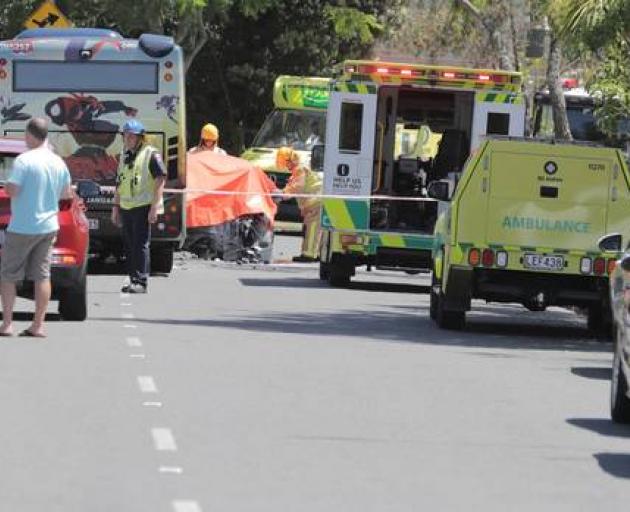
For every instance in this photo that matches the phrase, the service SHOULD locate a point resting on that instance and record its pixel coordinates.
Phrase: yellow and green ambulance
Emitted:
(299, 121)
(523, 226)
(391, 130)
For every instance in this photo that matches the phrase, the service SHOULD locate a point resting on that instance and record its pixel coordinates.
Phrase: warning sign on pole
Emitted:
(47, 15)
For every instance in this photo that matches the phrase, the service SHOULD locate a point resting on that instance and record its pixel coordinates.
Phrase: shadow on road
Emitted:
(615, 464)
(601, 426)
(292, 282)
(398, 324)
(592, 372)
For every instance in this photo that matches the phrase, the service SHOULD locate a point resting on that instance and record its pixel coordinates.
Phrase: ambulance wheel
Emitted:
(339, 271)
(448, 319)
(433, 298)
(599, 321)
(619, 401)
(324, 271)
(162, 260)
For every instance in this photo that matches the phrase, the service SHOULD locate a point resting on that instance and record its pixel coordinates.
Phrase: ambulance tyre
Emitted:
(433, 298)
(599, 321)
(448, 319)
(324, 271)
(339, 272)
(619, 401)
(162, 259)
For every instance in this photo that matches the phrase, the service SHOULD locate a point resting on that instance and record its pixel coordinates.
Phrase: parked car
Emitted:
(70, 252)
(620, 304)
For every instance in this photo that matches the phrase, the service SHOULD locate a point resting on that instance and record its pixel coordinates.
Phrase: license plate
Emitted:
(93, 223)
(543, 262)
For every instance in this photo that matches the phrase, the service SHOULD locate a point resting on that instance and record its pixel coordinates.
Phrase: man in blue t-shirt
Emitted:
(38, 180)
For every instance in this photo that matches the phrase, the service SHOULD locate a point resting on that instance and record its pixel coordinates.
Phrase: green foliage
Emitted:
(349, 22)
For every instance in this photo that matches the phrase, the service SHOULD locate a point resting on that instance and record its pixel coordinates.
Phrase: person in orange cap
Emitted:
(303, 181)
(208, 141)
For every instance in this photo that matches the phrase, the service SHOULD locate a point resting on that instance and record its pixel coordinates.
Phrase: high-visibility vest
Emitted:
(136, 185)
(305, 181)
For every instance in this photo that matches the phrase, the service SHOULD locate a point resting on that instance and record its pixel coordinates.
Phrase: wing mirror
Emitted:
(317, 157)
(439, 190)
(625, 263)
(87, 189)
(610, 243)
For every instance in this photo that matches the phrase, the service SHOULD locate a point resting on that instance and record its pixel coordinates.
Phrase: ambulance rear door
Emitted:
(350, 141)
(497, 114)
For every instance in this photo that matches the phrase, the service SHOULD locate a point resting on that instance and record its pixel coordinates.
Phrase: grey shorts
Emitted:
(26, 257)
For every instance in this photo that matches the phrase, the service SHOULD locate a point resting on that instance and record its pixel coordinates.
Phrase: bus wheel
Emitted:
(448, 319)
(162, 260)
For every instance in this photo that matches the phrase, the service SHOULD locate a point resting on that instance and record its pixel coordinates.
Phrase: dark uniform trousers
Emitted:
(136, 232)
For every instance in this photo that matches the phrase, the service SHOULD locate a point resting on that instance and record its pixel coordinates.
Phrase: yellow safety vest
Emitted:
(136, 185)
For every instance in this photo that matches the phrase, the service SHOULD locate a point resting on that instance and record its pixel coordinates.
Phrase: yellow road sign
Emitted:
(47, 15)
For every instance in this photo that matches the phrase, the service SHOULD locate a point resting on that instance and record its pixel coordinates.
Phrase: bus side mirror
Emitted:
(610, 243)
(317, 157)
(439, 190)
(87, 189)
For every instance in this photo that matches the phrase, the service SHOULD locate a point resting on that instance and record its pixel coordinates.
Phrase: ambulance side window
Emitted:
(498, 124)
(350, 127)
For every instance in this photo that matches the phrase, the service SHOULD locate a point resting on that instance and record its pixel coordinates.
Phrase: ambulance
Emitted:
(523, 226)
(299, 121)
(391, 130)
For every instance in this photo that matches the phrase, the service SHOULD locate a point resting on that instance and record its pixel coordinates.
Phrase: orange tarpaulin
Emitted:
(210, 171)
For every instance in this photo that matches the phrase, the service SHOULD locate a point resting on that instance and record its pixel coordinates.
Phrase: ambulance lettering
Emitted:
(538, 224)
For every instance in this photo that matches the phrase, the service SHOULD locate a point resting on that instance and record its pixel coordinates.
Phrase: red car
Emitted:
(70, 256)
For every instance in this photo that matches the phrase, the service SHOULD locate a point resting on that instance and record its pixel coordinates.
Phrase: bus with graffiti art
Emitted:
(87, 83)
(298, 120)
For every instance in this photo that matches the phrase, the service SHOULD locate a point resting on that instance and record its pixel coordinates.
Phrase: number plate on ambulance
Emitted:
(93, 223)
(543, 262)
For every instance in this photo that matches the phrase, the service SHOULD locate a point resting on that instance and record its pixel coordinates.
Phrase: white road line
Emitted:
(147, 384)
(133, 341)
(126, 304)
(152, 404)
(186, 506)
(128, 316)
(163, 440)
(130, 326)
(137, 356)
(124, 295)
(176, 470)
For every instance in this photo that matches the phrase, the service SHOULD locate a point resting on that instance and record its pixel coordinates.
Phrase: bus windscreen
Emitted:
(112, 77)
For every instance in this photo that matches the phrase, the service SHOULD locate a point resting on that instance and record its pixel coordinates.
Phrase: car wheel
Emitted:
(73, 302)
(619, 401)
(162, 260)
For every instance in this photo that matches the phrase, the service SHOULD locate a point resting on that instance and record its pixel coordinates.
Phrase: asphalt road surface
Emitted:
(235, 388)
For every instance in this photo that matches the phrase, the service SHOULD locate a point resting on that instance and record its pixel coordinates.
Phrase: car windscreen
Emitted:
(300, 129)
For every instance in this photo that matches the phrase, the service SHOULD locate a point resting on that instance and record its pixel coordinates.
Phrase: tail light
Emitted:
(599, 266)
(612, 263)
(487, 257)
(64, 259)
(474, 257)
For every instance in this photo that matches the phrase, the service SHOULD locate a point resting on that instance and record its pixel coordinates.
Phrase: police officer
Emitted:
(137, 201)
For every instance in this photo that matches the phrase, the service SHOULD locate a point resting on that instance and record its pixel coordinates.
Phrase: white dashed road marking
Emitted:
(152, 404)
(147, 384)
(186, 506)
(130, 326)
(163, 440)
(128, 316)
(137, 356)
(134, 342)
(175, 470)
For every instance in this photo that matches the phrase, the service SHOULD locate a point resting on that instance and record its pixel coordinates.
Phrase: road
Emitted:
(234, 388)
